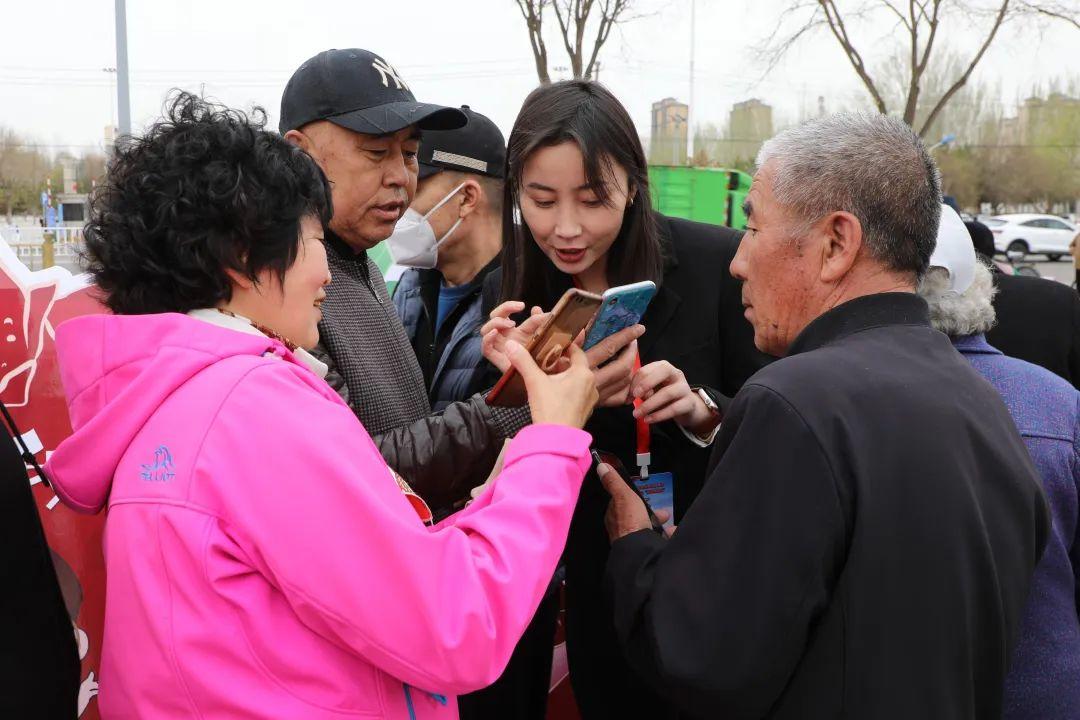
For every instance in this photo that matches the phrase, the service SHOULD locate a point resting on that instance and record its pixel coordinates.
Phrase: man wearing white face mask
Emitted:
(450, 238)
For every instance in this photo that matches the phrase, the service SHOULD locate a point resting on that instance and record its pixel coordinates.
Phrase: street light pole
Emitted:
(690, 106)
(111, 71)
(123, 92)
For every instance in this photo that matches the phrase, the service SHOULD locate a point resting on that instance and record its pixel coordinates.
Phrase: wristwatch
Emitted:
(709, 402)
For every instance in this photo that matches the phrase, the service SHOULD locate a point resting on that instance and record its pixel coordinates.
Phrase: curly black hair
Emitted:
(205, 190)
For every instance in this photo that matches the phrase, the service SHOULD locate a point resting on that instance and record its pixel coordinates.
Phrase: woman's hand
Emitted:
(563, 398)
(613, 379)
(500, 329)
(667, 396)
(615, 353)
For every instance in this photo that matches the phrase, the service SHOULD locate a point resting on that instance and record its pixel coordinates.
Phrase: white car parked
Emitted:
(1027, 234)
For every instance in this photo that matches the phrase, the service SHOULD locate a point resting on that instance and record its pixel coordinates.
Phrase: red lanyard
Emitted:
(641, 427)
(642, 430)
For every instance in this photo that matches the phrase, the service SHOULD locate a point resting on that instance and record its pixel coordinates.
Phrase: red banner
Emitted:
(32, 305)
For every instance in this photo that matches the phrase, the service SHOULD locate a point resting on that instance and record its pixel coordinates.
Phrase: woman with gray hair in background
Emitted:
(1044, 676)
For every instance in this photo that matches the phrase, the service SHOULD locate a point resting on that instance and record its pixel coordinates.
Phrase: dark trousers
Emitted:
(521, 692)
(604, 684)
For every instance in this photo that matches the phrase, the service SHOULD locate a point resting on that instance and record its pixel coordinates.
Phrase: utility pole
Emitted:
(123, 91)
(690, 105)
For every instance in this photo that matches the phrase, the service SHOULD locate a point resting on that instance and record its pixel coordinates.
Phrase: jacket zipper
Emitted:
(441, 699)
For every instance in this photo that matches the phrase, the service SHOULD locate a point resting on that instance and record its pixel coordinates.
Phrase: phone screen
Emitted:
(623, 306)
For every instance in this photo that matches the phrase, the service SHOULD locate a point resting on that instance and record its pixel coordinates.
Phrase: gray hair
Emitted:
(970, 313)
(870, 165)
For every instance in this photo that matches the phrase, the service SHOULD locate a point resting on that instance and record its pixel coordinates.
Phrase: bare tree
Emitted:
(921, 24)
(22, 168)
(533, 12)
(574, 18)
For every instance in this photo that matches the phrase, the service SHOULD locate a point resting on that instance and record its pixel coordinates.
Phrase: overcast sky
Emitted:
(53, 88)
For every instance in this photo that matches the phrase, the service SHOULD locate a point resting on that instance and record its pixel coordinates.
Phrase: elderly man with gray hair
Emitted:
(1044, 675)
(864, 544)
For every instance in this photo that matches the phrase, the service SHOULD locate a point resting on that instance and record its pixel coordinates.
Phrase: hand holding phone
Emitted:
(549, 345)
(601, 457)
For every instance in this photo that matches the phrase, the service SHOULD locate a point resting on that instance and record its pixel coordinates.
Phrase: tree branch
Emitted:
(944, 99)
(934, 24)
(610, 12)
(564, 25)
(771, 52)
(892, 8)
(1052, 10)
(839, 31)
(533, 12)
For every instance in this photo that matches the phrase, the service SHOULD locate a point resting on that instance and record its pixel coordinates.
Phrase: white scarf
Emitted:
(242, 324)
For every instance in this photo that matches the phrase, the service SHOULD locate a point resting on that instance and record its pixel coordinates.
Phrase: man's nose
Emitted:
(395, 171)
(738, 263)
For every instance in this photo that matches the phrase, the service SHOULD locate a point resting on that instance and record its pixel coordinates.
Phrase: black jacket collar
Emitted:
(434, 277)
(342, 249)
(862, 313)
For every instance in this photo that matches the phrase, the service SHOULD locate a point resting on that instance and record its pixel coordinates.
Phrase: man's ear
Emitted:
(301, 140)
(304, 141)
(471, 194)
(842, 241)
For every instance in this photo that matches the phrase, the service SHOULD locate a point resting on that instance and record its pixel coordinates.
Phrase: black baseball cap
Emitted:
(478, 147)
(982, 237)
(359, 91)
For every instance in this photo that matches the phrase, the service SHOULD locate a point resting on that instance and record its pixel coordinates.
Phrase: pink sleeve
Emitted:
(317, 512)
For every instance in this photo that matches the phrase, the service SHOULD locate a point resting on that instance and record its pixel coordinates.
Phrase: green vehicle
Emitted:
(710, 195)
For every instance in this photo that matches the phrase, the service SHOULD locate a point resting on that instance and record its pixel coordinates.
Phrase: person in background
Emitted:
(864, 545)
(262, 559)
(1074, 250)
(39, 661)
(579, 178)
(1044, 675)
(450, 238)
(1038, 320)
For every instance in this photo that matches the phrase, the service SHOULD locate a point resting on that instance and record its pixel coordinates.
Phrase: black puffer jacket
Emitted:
(449, 358)
(39, 662)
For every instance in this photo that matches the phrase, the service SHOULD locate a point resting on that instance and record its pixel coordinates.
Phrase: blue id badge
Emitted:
(658, 489)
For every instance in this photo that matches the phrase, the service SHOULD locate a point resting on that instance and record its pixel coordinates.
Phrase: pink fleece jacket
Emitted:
(261, 560)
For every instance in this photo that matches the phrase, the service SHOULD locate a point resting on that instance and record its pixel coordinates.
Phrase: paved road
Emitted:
(1062, 270)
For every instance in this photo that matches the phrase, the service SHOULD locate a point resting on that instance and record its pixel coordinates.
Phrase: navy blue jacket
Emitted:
(1044, 677)
(449, 360)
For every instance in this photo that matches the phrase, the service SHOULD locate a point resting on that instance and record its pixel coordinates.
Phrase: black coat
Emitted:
(863, 547)
(696, 323)
(1038, 320)
(450, 358)
(39, 660)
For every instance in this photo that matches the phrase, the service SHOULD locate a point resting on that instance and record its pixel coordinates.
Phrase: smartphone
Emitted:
(599, 456)
(568, 318)
(622, 307)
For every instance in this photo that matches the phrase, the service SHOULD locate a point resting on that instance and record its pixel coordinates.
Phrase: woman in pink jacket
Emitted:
(262, 559)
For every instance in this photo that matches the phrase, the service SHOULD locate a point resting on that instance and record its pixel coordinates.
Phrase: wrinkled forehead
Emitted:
(760, 199)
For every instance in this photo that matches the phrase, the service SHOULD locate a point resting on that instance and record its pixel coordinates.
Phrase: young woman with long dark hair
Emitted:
(578, 179)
